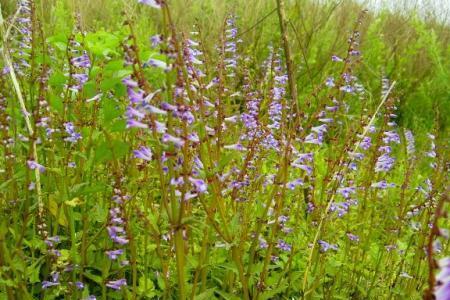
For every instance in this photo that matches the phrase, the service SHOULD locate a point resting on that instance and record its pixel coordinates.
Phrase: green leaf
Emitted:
(108, 150)
(95, 278)
(146, 287)
(102, 43)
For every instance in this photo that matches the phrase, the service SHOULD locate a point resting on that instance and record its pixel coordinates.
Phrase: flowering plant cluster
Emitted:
(158, 167)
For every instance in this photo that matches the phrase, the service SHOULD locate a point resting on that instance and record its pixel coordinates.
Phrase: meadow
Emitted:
(180, 149)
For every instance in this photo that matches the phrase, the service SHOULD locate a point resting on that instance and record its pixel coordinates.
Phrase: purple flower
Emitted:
(330, 82)
(353, 237)
(336, 58)
(340, 207)
(135, 96)
(132, 112)
(173, 139)
(324, 246)
(152, 3)
(384, 163)
(365, 143)
(55, 281)
(282, 245)
(385, 149)
(51, 240)
(193, 137)
(391, 136)
(73, 135)
(314, 139)
(320, 129)
(283, 219)
(326, 120)
(356, 155)
(47, 284)
(143, 153)
(160, 127)
(154, 110)
(130, 83)
(346, 191)
(82, 61)
(442, 290)
(332, 108)
(116, 284)
(199, 184)
(34, 165)
(263, 243)
(347, 88)
(136, 124)
(157, 64)
(114, 230)
(177, 181)
(114, 254)
(120, 240)
(380, 185)
(155, 40)
(293, 184)
(301, 158)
